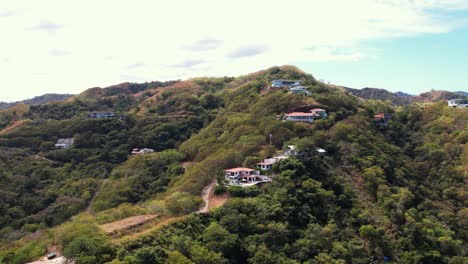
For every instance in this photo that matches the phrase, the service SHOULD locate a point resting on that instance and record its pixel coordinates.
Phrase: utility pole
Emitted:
(271, 135)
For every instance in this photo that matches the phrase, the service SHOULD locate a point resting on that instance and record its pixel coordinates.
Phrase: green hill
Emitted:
(392, 191)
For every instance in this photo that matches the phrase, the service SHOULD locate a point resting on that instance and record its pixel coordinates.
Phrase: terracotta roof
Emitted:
(240, 169)
(299, 114)
(380, 116)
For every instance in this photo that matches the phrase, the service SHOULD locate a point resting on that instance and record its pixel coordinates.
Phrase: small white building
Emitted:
(321, 151)
(136, 151)
(458, 103)
(319, 112)
(266, 164)
(300, 117)
(64, 143)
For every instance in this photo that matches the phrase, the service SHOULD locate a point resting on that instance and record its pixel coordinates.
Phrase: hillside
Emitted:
(38, 100)
(381, 94)
(390, 191)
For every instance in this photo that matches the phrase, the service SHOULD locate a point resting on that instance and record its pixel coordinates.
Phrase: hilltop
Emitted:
(38, 100)
(388, 185)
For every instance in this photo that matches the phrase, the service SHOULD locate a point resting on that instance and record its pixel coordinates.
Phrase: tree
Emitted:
(150, 255)
(180, 203)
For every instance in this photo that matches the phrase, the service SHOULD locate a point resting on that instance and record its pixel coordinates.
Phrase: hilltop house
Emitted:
(136, 151)
(244, 176)
(319, 112)
(299, 90)
(285, 83)
(64, 143)
(101, 115)
(299, 117)
(458, 103)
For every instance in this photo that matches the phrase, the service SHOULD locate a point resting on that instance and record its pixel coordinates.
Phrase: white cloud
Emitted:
(107, 41)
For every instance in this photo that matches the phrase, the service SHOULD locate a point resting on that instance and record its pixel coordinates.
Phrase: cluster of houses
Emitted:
(248, 177)
(294, 86)
(458, 103)
(316, 113)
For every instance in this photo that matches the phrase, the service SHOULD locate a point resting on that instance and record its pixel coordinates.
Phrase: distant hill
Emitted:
(124, 88)
(399, 98)
(438, 95)
(38, 100)
(402, 94)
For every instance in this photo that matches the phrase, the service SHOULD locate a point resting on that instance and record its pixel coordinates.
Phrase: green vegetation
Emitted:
(391, 193)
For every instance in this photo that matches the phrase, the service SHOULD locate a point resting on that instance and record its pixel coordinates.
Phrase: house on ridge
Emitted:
(285, 83)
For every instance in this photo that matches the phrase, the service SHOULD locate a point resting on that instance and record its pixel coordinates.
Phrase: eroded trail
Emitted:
(211, 200)
(12, 126)
(205, 195)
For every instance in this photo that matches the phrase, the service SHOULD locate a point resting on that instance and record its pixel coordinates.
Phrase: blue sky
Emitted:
(56, 46)
(411, 64)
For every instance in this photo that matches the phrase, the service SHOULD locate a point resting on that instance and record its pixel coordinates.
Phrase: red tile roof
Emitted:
(300, 114)
(240, 169)
(265, 163)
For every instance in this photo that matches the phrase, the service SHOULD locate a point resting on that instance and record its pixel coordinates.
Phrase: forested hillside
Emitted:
(391, 193)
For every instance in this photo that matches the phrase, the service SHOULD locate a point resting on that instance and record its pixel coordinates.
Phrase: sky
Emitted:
(56, 46)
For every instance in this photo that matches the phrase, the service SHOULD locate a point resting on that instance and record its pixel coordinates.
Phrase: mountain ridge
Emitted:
(387, 189)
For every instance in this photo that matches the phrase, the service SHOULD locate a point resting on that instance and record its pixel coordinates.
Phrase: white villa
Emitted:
(64, 143)
(136, 151)
(299, 117)
(284, 83)
(244, 176)
(458, 103)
